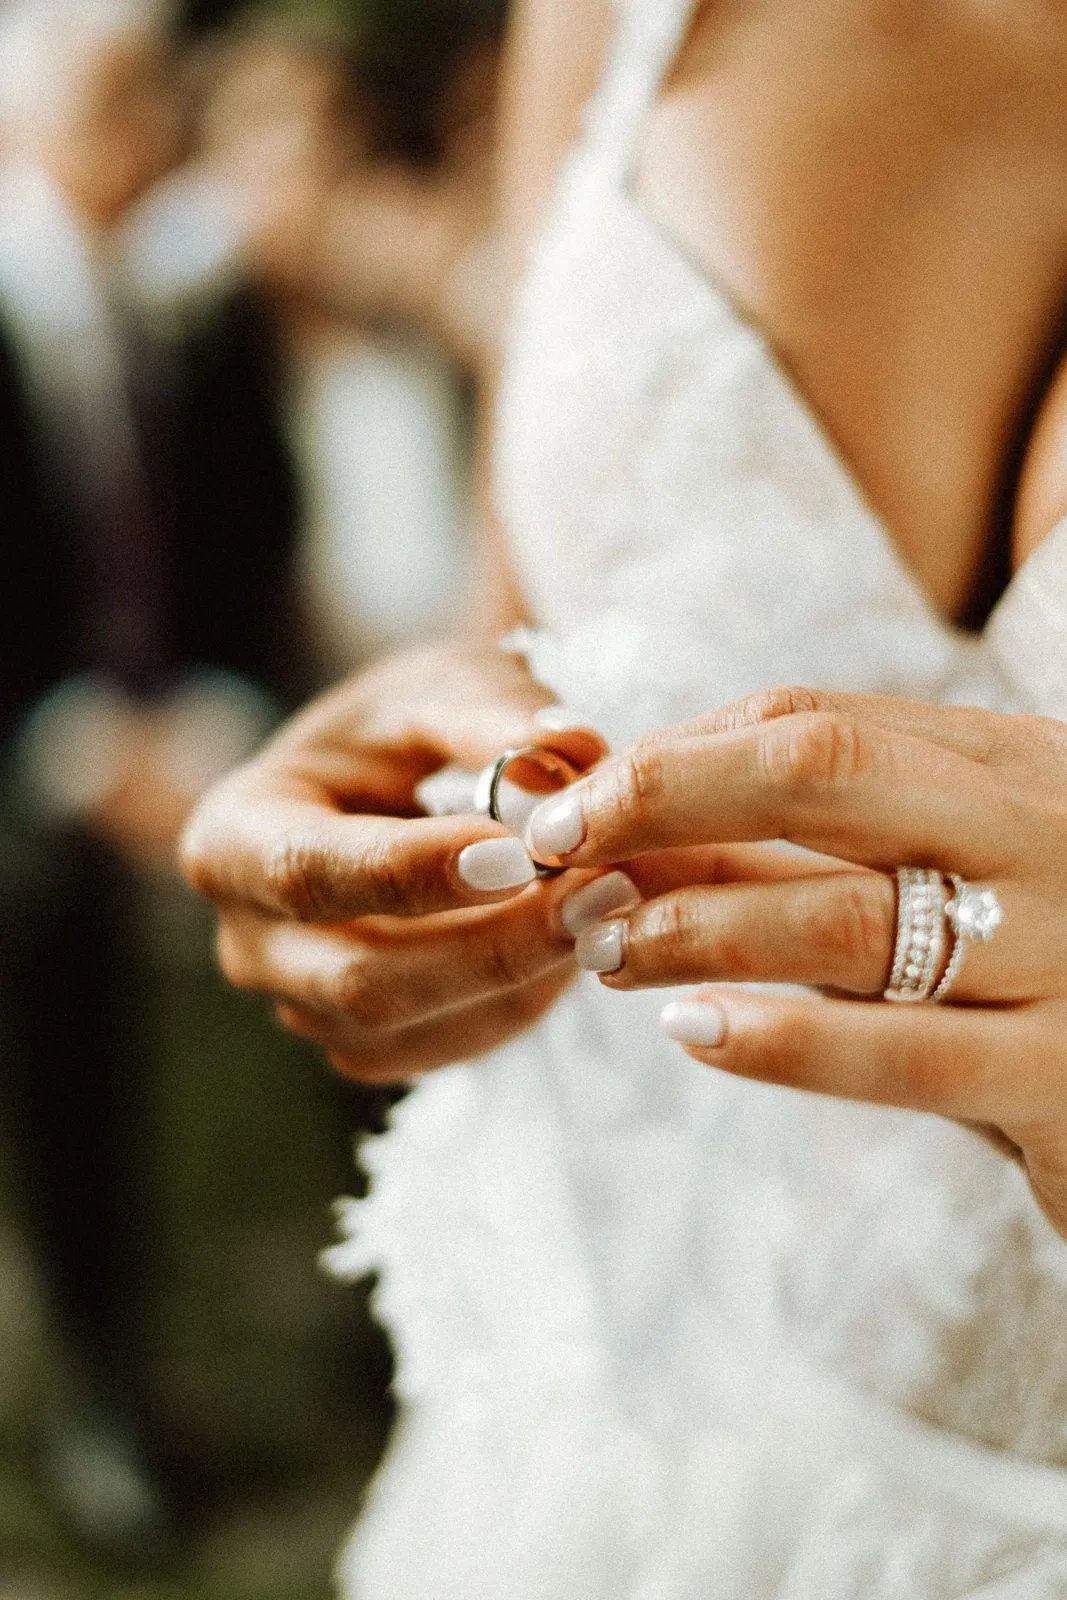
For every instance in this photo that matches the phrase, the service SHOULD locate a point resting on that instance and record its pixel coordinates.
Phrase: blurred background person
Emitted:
(357, 162)
(149, 626)
(247, 289)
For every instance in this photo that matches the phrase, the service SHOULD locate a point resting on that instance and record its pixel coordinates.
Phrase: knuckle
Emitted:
(292, 876)
(780, 1054)
(202, 847)
(770, 705)
(508, 966)
(193, 859)
(640, 782)
(999, 741)
(1045, 744)
(932, 1075)
(857, 926)
(197, 853)
(395, 878)
(1052, 732)
(366, 997)
(925, 1075)
(233, 959)
(671, 927)
(794, 1042)
(358, 1066)
(299, 1021)
(814, 753)
(682, 936)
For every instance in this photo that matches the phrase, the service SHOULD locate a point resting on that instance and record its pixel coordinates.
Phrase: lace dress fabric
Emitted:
(662, 1334)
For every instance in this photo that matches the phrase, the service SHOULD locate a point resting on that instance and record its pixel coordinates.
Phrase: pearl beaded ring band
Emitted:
(919, 970)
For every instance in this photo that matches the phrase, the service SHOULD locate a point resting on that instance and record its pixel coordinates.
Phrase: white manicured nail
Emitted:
(448, 792)
(586, 906)
(694, 1022)
(602, 948)
(557, 826)
(495, 864)
(515, 806)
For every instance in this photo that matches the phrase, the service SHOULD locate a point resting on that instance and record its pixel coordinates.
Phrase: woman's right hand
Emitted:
(397, 942)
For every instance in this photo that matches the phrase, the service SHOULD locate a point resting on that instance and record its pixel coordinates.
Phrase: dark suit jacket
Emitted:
(224, 507)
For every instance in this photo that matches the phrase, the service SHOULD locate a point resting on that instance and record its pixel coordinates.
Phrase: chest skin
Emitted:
(882, 187)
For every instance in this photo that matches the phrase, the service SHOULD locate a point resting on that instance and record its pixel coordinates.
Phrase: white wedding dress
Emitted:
(664, 1334)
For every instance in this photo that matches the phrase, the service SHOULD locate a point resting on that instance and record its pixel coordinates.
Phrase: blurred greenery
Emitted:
(268, 1378)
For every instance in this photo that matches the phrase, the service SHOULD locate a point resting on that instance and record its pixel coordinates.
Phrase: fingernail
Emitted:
(602, 948)
(559, 719)
(587, 905)
(494, 864)
(558, 826)
(694, 1022)
(514, 806)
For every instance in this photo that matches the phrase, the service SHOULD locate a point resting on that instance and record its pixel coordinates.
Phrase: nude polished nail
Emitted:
(694, 1022)
(602, 948)
(558, 826)
(587, 905)
(495, 864)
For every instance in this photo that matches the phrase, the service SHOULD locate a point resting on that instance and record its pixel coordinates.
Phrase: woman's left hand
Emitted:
(871, 784)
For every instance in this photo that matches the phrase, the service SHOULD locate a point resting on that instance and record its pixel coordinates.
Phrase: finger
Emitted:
(989, 737)
(462, 1034)
(492, 704)
(836, 931)
(660, 871)
(979, 1065)
(470, 707)
(827, 782)
(268, 848)
(385, 974)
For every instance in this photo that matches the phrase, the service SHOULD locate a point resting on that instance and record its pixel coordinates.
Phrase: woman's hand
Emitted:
(871, 784)
(397, 942)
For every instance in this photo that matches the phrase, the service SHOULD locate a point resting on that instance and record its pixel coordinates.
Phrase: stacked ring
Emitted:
(920, 946)
(972, 914)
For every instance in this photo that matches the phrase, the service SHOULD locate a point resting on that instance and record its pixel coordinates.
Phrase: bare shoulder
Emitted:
(1041, 501)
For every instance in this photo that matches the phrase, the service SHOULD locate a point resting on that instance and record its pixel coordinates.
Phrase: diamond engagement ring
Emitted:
(974, 915)
(927, 925)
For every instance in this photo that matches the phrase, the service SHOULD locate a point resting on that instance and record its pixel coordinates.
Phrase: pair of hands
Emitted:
(356, 918)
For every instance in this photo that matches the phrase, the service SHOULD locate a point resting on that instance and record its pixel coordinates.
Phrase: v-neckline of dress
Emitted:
(723, 303)
(665, 36)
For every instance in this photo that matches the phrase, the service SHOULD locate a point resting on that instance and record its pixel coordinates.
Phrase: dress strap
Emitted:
(647, 37)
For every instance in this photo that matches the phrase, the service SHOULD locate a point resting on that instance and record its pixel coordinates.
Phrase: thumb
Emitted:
(484, 703)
